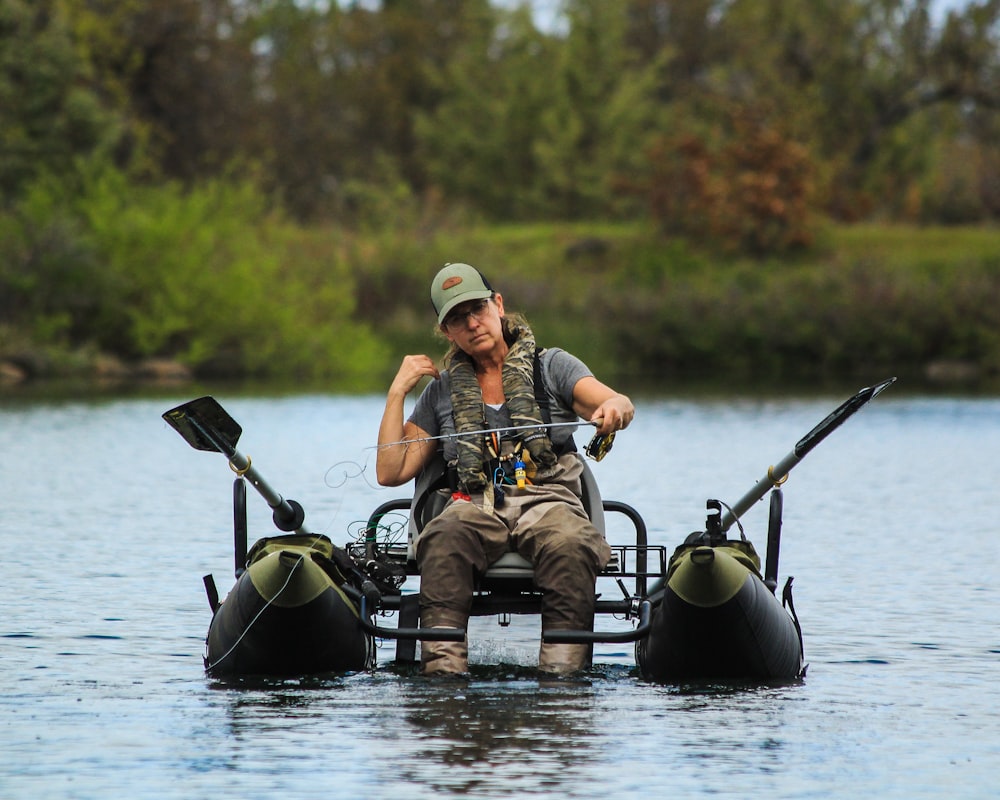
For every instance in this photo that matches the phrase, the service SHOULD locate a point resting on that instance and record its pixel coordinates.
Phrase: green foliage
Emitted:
(575, 134)
(869, 86)
(46, 265)
(47, 118)
(479, 149)
(402, 133)
(213, 276)
(561, 147)
(637, 308)
(469, 103)
(895, 299)
(340, 87)
(210, 276)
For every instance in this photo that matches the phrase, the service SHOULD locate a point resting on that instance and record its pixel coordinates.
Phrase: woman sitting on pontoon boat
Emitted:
(514, 474)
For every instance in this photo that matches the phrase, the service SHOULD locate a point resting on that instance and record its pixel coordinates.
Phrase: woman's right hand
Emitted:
(399, 458)
(413, 369)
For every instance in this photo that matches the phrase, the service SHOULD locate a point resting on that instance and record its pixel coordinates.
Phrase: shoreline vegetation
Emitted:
(751, 194)
(335, 309)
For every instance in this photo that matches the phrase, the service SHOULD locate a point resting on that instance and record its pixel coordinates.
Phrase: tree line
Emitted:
(874, 107)
(137, 137)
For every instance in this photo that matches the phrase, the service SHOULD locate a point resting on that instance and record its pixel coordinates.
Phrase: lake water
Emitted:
(109, 520)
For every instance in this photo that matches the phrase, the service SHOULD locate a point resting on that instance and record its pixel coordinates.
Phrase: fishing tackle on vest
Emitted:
(519, 474)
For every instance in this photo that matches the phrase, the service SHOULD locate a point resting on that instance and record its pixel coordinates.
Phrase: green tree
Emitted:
(861, 84)
(478, 142)
(47, 115)
(180, 74)
(339, 91)
(515, 146)
(576, 130)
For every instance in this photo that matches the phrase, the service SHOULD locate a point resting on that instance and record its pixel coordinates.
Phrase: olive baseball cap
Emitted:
(457, 283)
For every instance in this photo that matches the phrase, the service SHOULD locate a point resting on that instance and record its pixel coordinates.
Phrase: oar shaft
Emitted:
(774, 476)
(242, 466)
(205, 425)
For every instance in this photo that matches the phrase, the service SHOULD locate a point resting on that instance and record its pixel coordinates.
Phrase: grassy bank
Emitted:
(869, 301)
(872, 301)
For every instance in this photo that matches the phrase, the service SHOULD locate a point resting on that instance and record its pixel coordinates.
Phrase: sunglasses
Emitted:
(457, 319)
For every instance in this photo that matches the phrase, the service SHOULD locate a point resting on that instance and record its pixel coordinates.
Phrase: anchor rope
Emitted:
(257, 616)
(301, 557)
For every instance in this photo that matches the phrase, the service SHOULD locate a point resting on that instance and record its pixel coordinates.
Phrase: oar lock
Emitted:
(776, 482)
(241, 471)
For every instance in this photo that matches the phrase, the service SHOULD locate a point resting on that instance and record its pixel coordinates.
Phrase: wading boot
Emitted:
(445, 658)
(563, 659)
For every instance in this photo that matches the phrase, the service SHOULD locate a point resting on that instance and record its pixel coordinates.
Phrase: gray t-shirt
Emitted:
(560, 371)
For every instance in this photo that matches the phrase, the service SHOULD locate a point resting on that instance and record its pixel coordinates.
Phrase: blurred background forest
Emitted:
(787, 189)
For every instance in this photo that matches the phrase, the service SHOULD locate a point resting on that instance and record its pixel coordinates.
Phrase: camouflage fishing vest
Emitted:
(519, 394)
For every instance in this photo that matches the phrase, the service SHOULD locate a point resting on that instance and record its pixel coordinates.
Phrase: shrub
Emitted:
(750, 193)
(210, 275)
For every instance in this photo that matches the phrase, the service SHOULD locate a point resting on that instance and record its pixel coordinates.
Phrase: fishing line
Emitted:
(351, 470)
(389, 532)
(266, 605)
(270, 602)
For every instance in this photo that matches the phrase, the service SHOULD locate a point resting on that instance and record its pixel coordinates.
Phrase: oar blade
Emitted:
(205, 425)
(839, 415)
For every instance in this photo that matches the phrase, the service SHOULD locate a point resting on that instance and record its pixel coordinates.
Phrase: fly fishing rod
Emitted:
(485, 431)
(596, 448)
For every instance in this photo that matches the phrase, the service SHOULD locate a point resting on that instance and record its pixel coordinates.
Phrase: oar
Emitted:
(205, 425)
(777, 473)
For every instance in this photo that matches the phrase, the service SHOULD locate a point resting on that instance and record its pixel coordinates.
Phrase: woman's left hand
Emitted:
(614, 414)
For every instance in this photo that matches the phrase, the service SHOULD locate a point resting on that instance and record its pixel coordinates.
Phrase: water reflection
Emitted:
(504, 734)
(253, 702)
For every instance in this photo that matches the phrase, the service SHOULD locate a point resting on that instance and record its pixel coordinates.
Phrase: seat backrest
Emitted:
(428, 501)
(592, 501)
